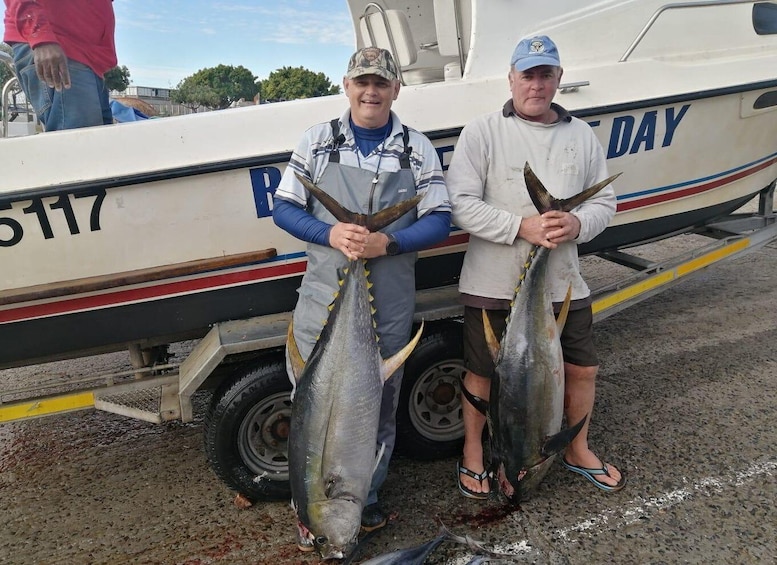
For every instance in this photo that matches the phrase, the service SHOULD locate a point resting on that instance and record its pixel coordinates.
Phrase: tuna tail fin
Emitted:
(494, 347)
(561, 320)
(545, 201)
(372, 222)
(295, 359)
(556, 443)
(394, 362)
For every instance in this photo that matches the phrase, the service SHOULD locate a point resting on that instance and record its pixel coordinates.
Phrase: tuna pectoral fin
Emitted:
(379, 456)
(394, 362)
(297, 364)
(561, 320)
(556, 443)
(491, 339)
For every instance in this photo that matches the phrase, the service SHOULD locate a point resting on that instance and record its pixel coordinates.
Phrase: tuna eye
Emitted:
(322, 540)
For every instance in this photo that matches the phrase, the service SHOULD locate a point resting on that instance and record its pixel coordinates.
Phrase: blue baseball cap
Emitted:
(535, 51)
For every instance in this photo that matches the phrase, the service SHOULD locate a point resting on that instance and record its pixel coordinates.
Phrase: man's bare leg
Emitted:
(579, 394)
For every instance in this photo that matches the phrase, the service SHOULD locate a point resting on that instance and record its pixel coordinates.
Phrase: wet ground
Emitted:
(686, 406)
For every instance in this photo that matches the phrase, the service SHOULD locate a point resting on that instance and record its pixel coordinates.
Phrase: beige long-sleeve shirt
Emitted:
(489, 197)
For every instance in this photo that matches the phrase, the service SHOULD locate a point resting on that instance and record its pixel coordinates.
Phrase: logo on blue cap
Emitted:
(535, 51)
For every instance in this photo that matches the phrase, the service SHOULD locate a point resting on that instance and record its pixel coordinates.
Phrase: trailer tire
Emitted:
(429, 421)
(246, 431)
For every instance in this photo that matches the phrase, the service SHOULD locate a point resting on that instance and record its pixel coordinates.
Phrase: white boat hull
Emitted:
(84, 211)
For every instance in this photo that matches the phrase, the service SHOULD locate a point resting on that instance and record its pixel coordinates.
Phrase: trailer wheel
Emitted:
(247, 430)
(429, 420)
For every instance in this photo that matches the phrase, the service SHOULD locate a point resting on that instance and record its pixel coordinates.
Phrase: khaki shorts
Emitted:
(577, 341)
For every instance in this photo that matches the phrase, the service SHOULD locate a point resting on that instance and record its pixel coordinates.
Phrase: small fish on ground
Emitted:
(418, 554)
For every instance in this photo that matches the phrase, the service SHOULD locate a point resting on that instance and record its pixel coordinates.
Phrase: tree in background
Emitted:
(194, 96)
(118, 78)
(291, 83)
(229, 84)
(5, 72)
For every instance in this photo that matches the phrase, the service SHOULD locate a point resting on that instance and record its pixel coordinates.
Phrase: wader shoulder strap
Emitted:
(338, 139)
(404, 159)
(334, 155)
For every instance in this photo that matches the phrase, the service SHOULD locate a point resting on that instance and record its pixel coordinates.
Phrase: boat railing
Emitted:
(676, 6)
(11, 85)
(7, 60)
(374, 7)
(390, 29)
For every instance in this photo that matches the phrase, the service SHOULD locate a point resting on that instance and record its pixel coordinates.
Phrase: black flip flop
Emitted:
(469, 493)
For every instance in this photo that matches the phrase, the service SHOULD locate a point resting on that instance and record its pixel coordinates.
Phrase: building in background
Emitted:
(159, 98)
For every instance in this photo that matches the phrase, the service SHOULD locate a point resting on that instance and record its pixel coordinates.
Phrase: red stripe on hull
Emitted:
(667, 197)
(159, 291)
(152, 292)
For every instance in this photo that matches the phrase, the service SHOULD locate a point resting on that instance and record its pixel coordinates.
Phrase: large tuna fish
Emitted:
(334, 417)
(527, 390)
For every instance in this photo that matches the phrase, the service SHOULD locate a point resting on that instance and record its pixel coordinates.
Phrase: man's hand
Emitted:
(560, 226)
(550, 229)
(375, 245)
(51, 65)
(350, 239)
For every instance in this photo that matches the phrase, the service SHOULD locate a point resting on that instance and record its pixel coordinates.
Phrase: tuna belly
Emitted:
(529, 411)
(347, 462)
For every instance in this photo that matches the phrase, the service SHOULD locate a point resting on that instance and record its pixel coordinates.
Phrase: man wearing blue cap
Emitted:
(490, 200)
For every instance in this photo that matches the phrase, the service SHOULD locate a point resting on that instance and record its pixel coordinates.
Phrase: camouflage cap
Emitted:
(372, 61)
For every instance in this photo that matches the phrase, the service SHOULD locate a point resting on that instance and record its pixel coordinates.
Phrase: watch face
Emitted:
(392, 247)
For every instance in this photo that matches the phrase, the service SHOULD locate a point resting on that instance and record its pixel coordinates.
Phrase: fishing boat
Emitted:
(141, 234)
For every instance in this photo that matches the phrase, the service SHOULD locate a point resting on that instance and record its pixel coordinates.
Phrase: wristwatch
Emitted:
(392, 247)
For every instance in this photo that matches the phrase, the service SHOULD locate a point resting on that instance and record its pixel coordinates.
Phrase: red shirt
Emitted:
(83, 28)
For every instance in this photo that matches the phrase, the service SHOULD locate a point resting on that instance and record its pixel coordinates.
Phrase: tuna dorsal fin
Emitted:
(296, 361)
(562, 315)
(493, 343)
(545, 201)
(556, 443)
(394, 362)
(372, 222)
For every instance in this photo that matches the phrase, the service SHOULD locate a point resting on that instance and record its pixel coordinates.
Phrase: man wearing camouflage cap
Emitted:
(367, 160)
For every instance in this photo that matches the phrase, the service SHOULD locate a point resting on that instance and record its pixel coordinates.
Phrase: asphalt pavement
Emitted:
(685, 407)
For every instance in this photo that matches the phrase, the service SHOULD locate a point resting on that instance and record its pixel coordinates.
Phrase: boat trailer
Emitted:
(162, 392)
